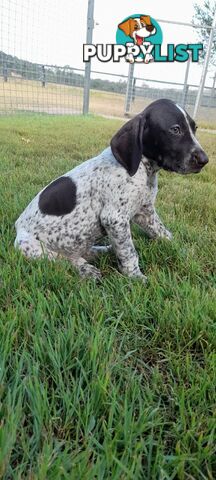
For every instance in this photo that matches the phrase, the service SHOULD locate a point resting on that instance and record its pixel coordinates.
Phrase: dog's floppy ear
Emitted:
(127, 144)
(146, 19)
(126, 26)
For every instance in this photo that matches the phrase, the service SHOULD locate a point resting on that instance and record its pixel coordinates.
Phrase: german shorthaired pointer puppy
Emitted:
(104, 194)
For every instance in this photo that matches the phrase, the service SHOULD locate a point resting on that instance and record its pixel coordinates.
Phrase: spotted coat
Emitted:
(104, 195)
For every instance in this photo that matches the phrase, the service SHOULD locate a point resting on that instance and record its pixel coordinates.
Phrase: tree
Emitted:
(204, 16)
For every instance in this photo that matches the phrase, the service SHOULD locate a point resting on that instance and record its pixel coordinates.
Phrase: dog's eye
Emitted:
(176, 130)
(136, 27)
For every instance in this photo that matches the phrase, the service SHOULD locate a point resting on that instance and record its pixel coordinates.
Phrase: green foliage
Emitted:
(114, 380)
(204, 16)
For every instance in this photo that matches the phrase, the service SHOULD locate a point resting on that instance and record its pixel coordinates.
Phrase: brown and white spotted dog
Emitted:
(139, 29)
(103, 195)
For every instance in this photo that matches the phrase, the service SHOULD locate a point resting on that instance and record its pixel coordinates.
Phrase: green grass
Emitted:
(114, 380)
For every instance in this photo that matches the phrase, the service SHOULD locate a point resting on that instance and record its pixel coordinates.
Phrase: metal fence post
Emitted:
(186, 86)
(205, 67)
(89, 35)
(43, 81)
(5, 72)
(213, 87)
(134, 90)
(129, 90)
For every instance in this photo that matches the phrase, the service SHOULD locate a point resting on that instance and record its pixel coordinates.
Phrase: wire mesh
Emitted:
(39, 60)
(183, 86)
(144, 91)
(35, 57)
(107, 93)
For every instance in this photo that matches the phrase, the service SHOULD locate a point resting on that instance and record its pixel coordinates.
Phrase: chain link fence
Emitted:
(58, 90)
(30, 82)
(36, 55)
(28, 87)
(141, 92)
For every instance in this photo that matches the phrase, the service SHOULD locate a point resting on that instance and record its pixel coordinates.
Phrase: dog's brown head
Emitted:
(137, 28)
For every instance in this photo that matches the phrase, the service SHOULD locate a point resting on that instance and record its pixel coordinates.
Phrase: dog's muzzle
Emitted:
(199, 158)
(149, 28)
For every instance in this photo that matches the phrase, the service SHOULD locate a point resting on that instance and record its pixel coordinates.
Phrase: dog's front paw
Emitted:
(165, 234)
(168, 235)
(149, 58)
(143, 278)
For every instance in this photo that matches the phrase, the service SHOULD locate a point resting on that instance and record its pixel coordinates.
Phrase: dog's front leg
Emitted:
(150, 222)
(118, 230)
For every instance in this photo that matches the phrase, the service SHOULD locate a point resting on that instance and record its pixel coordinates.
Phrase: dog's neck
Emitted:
(150, 165)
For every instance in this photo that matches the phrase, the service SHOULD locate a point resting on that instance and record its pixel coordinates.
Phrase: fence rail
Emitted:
(35, 87)
(48, 85)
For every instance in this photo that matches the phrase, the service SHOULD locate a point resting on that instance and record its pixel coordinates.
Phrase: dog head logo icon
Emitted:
(138, 28)
(143, 31)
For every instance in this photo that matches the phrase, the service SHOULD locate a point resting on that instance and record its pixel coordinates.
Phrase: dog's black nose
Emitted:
(149, 28)
(199, 157)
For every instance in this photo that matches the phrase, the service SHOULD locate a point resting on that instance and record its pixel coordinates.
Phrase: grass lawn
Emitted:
(114, 380)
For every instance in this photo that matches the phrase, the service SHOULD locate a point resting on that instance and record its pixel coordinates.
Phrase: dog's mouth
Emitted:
(195, 169)
(182, 170)
(189, 170)
(139, 40)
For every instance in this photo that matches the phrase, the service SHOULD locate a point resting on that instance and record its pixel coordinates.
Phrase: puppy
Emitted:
(138, 29)
(103, 195)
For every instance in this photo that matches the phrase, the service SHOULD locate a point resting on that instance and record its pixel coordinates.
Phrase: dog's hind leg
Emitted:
(31, 247)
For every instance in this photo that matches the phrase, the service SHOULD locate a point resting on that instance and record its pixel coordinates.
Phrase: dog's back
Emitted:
(65, 215)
